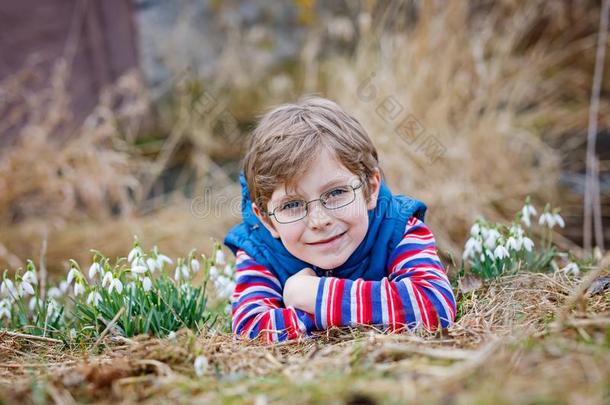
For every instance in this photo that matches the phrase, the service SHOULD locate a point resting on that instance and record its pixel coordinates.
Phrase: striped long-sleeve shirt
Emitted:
(415, 293)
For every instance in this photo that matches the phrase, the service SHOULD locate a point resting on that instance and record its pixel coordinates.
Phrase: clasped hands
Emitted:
(300, 290)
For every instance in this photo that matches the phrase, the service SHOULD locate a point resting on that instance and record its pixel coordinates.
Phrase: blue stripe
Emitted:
(254, 279)
(425, 260)
(255, 330)
(345, 303)
(280, 326)
(302, 315)
(318, 309)
(376, 302)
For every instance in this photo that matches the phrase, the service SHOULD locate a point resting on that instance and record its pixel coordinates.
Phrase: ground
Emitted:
(526, 338)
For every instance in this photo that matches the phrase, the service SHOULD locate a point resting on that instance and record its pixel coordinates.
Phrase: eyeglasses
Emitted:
(295, 210)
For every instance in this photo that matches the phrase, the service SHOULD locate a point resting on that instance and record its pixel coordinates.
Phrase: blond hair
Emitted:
(288, 138)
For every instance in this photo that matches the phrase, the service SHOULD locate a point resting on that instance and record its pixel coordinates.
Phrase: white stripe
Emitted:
(352, 303)
(384, 303)
(274, 336)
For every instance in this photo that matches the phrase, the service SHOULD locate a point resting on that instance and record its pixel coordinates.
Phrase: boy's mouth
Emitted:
(329, 240)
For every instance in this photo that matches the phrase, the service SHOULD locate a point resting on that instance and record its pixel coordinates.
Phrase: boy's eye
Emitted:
(292, 205)
(336, 192)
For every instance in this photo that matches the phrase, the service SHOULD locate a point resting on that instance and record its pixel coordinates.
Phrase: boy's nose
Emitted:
(317, 217)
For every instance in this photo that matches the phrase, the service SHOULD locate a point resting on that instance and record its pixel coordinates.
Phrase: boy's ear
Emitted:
(267, 225)
(374, 186)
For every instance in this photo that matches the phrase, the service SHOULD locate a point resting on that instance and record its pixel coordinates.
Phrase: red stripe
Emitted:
(340, 286)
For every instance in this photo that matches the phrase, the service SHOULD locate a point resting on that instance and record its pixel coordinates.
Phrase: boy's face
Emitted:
(345, 227)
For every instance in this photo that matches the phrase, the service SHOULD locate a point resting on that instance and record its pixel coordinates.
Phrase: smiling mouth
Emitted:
(328, 240)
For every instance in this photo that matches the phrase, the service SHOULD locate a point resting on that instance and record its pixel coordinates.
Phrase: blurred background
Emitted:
(130, 117)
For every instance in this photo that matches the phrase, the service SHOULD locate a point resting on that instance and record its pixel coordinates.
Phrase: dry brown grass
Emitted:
(505, 347)
(491, 87)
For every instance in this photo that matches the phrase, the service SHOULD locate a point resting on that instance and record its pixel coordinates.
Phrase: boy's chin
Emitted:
(328, 264)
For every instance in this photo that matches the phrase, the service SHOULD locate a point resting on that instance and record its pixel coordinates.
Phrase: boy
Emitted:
(323, 241)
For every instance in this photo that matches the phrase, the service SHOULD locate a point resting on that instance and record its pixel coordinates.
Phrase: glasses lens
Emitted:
(290, 211)
(338, 197)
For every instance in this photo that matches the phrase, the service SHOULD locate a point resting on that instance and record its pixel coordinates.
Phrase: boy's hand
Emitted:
(300, 290)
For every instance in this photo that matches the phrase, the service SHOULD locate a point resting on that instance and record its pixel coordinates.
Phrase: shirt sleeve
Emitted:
(416, 293)
(257, 307)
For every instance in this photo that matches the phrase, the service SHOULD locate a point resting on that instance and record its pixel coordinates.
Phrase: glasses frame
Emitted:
(354, 188)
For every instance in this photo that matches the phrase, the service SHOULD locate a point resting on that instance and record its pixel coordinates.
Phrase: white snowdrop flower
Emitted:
(7, 288)
(213, 272)
(34, 302)
(220, 257)
(116, 285)
(5, 309)
(134, 254)
(473, 246)
(228, 270)
(475, 230)
(547, 219)
(501, 252)
(492, 237)
(72, 274)
(482, 258)
(528, 244)
(147, 284)
(559, 220)
(172, 336)
(78, 289)
(94, 269)
(138, 269)
(162, 259)
(181, 272)
(228, 289)
(200, 365)
(25, 289)
(516, 231)
(526, 212)
(30, 277)
(195, 265)
(52, 308)
(54, 292)
(63, 286)
(152, 264)
(94, 298)
(107, 280)
(514, 244)
(73, 333)
(571, 269)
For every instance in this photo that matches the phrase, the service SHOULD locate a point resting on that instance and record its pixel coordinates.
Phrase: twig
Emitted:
(108, 327)
(30, 337)
(592, 180)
